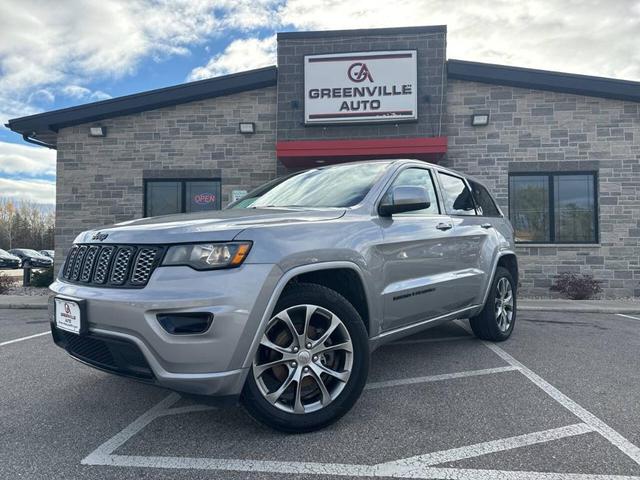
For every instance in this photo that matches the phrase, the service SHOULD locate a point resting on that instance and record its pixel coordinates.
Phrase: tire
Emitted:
(498, 317)
(313, 310)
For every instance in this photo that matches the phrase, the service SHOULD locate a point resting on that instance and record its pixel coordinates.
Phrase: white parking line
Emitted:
(417, 467)
(484, 448)
(624, 445)
(438, 378)
(9, 342)
(628, 316)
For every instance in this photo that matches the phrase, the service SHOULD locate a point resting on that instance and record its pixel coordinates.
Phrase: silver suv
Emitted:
(281, 303)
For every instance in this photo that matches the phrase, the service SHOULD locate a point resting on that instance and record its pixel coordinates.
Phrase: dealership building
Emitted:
(560, 152)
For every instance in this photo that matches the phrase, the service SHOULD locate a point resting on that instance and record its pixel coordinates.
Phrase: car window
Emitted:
(338, 186)
(418, 177)
(456, 196)
(484, 202)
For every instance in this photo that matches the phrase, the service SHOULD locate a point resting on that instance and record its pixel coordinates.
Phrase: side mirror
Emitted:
(404, 199)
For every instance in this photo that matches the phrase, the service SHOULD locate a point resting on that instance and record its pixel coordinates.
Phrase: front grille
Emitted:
(106, 353)
(123, 266)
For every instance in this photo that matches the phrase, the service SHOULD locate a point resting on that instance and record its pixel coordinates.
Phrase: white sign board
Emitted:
(237, 194)
(360, 87)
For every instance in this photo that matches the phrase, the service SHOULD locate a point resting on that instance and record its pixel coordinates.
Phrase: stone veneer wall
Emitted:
(100, 180)
(532, 130)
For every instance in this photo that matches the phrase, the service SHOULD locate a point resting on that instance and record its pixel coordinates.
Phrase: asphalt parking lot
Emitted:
(559, 400)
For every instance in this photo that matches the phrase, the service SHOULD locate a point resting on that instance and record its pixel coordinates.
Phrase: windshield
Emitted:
(339, 186)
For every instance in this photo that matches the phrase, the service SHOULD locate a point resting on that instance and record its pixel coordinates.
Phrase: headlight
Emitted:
(208, 256)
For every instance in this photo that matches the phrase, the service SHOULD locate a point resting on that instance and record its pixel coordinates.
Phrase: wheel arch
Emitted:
(508, 260)
(320, 273)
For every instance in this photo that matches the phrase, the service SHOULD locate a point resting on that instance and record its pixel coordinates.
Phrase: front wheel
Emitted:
(496, 320)
(311, 364)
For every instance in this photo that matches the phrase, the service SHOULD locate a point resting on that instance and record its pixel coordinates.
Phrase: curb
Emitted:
(23, 306)
(579, 309)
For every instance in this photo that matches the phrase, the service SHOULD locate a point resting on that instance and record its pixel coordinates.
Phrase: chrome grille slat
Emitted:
(89, 261)
(101, 274)
(123, 266)
(142, 266)
(78, 263)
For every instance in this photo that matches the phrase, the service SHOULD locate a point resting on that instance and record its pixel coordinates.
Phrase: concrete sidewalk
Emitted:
(544, 305)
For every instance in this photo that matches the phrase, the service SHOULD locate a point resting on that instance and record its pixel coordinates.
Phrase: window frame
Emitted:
(477, 206)
(552, 205)
(466, 184)
(183, 192)
(436, 190)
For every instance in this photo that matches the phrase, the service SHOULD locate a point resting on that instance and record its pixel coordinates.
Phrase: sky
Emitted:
(57, 54)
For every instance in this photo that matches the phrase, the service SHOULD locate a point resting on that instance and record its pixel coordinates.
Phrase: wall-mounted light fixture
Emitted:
(479, 119)
(247, 127)
(97, 131)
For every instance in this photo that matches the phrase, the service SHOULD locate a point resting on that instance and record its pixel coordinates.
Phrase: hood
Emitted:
(221, 225)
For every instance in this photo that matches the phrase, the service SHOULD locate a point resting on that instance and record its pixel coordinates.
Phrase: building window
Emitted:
(554, 207)
(455, 195)
(164, 197)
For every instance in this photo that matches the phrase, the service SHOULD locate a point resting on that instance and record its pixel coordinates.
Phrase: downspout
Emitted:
(26, 138)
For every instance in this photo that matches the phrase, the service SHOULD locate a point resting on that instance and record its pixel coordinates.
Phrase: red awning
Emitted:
(308, 153)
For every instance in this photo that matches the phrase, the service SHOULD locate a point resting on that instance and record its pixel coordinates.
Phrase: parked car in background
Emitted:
(7, 260)
(31, 258)
(280, 304)
(47, 253)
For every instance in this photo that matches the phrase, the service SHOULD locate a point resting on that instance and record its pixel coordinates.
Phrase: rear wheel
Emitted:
(496, 320)
(312, 362)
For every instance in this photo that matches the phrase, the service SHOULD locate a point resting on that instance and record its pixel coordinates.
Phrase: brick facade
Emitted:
(100, 180)
(533, 130)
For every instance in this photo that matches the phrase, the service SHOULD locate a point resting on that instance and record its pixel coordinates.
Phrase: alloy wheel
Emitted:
(504, 304)
(304, 359)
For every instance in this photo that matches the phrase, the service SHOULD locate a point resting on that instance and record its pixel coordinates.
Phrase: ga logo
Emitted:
(359, 72)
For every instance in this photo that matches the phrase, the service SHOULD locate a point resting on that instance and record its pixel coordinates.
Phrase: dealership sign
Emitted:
(360, 87)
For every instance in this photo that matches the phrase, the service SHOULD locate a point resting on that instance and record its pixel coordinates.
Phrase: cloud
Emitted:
(82, 93)
(38, 191)
(81, 40)
(243, 54)
(19, 159)
(595, 37)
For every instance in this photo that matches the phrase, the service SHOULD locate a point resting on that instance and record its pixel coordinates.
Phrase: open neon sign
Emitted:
(204, 198)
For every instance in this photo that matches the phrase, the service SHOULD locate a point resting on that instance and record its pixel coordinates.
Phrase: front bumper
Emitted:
(209, 363)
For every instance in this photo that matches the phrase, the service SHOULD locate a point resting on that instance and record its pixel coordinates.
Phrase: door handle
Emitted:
(444, 226)
(486, 225)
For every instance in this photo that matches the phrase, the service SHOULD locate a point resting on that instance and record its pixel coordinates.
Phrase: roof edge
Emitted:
(363, 32)
(147, 100)
(535, 79)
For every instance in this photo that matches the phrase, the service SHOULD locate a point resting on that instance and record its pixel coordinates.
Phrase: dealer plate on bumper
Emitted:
(68, 315)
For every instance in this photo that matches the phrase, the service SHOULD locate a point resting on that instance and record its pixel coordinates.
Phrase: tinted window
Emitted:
(202, 196)
(456, 196)
(338, 186)
(163, 198)
(484, 202)
(418, 177)
(181, 196)
(553, 208)
(574, 208)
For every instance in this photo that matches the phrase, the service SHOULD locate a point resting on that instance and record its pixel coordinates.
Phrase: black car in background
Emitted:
(31, 258)
(8, 260)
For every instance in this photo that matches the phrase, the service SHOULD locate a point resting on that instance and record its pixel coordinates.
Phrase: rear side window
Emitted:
(456, 196)
(418, 177)
(484, 202)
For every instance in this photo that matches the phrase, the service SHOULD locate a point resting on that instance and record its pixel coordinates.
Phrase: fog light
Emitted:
(185, 323)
